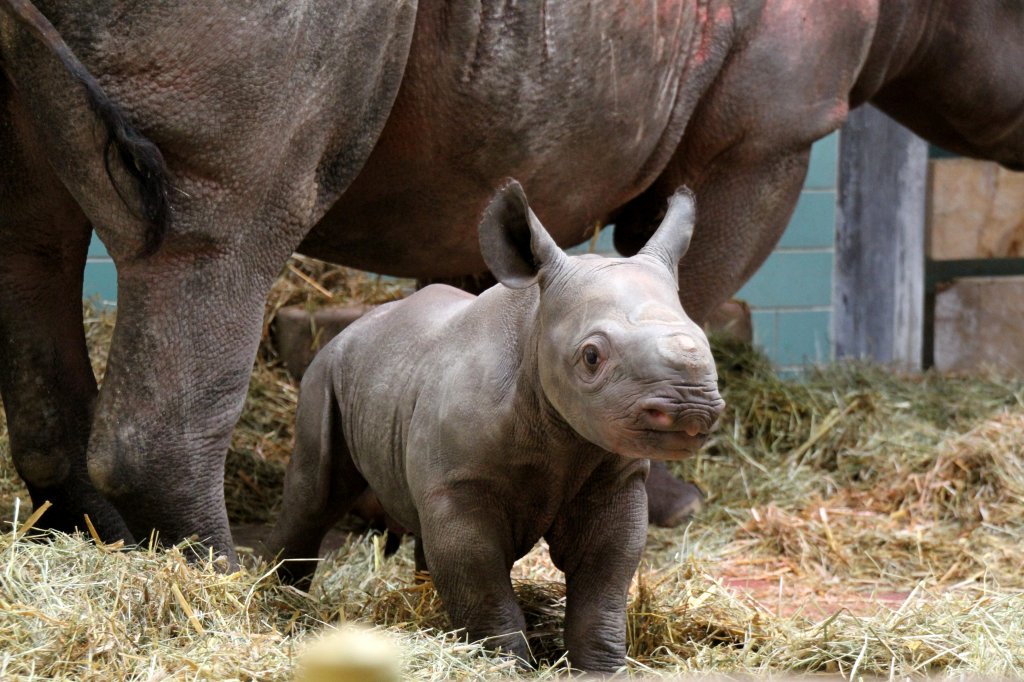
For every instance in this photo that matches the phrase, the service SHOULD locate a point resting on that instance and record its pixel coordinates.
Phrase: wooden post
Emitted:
(879, 279)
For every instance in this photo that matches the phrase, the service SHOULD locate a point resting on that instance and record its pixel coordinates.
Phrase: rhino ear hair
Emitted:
(670, 241)
(513, 242)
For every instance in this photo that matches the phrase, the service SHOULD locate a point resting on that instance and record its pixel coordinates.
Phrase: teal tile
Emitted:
(803, 338)
(100, 281)
(764, 330)
(813, 222)
(936, 152)
(603, 245)
(822, 171)
(96, 248)
(791, 280)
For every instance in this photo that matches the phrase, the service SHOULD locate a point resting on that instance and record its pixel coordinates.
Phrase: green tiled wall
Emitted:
(790, 296)
(791, 280)
(100, 276)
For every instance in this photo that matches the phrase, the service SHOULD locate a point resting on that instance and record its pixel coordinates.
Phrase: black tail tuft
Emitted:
(140, 157)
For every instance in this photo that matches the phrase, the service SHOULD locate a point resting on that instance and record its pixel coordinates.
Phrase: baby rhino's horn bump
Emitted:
(680, 351)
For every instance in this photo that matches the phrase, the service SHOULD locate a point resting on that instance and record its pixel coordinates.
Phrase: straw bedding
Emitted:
(859, 522)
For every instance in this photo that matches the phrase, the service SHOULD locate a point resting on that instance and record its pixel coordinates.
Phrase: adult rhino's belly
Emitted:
(578, 101)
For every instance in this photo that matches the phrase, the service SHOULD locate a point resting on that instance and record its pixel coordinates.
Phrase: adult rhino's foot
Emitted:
(167, 505)
(670, 502)
(70, 503)
(172, 520)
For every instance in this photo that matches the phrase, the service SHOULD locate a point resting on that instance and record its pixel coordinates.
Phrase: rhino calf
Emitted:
(486, 423)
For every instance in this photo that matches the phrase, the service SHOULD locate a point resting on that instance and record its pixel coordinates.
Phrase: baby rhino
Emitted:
(486, 423)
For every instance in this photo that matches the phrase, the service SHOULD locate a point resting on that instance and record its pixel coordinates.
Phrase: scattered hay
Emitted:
(859, 522)
(859, 472)
(70, 610)
(313, 283)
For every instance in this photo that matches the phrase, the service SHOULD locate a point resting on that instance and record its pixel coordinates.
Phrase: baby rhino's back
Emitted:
(378, 366)
(393, 340)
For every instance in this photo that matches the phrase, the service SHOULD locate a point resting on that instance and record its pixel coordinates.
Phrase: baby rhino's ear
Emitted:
(669, 243)
(514, 244)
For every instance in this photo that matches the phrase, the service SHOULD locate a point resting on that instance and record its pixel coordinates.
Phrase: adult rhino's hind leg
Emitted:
(177, 373)
(46, 380)
(671, 501)
(47, 384)
(259, 140)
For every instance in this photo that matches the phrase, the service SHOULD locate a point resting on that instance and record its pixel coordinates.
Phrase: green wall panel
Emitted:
(791, 280)
(813, 223)
(100, 281)
(824, 165)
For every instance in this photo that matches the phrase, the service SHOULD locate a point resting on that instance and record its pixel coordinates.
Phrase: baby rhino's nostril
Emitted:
(658, 419)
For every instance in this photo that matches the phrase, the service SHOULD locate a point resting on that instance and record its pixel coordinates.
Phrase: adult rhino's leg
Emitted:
(744, 202)
(264, 117)
(46, 381)
(747, 145)
(671, 502)
(743, 206)
(188, 328)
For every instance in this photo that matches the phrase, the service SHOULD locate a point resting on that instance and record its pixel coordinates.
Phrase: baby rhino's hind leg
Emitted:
(321, 483)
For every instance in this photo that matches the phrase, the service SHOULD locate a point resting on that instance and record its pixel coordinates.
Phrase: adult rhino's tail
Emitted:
(139, 156)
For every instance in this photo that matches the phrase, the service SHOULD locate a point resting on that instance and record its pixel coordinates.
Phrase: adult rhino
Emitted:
(206, 144)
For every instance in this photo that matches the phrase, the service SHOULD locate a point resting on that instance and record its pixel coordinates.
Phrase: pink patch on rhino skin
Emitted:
(724, 15)
(703, 51)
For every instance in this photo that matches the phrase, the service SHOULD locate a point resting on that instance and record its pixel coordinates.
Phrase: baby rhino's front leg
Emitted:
(466, 542)
(598, 544)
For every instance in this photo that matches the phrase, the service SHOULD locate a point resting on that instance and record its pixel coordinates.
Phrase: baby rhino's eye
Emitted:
(591, 357)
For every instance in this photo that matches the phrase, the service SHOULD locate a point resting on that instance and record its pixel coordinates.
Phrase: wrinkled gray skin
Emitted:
(372, 134)
(485, 423)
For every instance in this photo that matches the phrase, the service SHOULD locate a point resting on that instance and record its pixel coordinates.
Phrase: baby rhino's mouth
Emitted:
(677, 440)
(662, 444)
(692, 425)
(671, 429)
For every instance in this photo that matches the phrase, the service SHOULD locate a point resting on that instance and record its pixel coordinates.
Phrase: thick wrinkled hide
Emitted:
(485, 423)
(205, 142)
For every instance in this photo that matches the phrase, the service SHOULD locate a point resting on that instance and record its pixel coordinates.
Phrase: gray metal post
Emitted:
(879, 278)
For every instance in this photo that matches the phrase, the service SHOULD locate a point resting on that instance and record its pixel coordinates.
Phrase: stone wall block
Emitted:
(299, 333)
(979, 324)
(976, 210)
